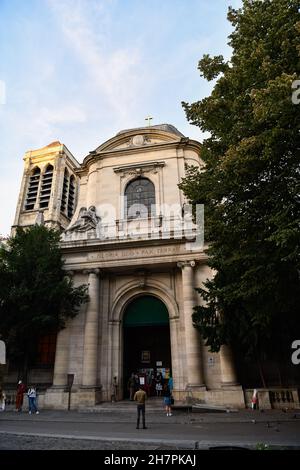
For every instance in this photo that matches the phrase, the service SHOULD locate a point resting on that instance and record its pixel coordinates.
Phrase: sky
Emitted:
(79, 71)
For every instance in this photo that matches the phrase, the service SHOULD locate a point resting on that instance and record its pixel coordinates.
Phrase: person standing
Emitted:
(170, 384)
(32, 400)
(159, 384)
(131, 386)
(140, 397)
(2, 399)
(167, 399)
(254, 400)
(114, 390)
(148, 384)
(21, 389)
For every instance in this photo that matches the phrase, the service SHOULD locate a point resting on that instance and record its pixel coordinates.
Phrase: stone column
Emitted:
(90, 352)
(228, 372)
(192, 336)
(115, 363)
(57, 186)
(61, 358)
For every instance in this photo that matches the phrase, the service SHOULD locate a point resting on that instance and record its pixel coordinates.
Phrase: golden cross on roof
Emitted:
(148, 118)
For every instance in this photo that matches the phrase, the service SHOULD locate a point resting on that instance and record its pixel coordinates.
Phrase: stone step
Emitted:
(152, 405)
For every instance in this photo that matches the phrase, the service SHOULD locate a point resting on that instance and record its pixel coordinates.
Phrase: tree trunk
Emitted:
(25, 370)
(261, 372)
(279, 373)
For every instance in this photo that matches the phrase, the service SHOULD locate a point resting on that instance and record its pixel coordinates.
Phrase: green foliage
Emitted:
(36, 296)
(262, 446)
(250, 183)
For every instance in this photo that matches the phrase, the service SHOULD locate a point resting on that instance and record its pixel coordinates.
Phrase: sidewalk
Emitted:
(117, 413)
(110, 428)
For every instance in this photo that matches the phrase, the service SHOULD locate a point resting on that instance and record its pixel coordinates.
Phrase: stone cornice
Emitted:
(184, 142)
(98, 245)
(51, 152)
(134, 257)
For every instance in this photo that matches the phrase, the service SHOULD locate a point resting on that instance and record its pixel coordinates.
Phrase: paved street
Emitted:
(116, 430)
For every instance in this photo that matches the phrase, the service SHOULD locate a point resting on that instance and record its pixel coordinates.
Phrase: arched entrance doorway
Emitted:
(147, 348)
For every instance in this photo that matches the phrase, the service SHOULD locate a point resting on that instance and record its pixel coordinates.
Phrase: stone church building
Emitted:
(126, 232)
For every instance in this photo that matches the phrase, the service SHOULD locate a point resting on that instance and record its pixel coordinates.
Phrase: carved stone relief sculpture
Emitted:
(87, 220)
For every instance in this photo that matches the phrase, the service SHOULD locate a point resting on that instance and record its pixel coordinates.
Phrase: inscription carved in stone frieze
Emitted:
(136, 253)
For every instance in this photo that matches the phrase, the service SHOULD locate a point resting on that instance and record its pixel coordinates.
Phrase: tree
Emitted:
(250, 183)
(36, 295)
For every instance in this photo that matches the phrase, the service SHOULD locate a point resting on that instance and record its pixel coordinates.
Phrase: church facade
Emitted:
(127, 232)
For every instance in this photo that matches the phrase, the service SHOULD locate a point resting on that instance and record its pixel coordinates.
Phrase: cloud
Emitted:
(62, 115)
(39, 125)
(114, 72)
(79, 71)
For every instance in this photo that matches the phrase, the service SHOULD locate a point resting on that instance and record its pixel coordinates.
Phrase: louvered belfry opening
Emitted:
(71, 199)
(64, 197)
(33, 189)
(46, 187)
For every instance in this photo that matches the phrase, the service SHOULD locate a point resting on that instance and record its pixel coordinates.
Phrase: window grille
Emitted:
(71, 200)
(33, 189)
(64, 196)
(46, 187)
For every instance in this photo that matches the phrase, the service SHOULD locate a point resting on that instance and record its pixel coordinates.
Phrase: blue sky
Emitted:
(79, 71)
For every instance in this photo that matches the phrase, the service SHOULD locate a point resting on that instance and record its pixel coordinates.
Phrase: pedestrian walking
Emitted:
(21, 389)
(32, 396)
(140, 397)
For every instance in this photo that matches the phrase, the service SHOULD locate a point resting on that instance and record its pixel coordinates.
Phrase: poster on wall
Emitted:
(145, 357)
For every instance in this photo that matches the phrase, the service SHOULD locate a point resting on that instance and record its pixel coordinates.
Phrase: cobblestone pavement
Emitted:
(17, 442)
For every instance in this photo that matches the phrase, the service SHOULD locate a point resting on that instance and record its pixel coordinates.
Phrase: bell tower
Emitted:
(49, 188)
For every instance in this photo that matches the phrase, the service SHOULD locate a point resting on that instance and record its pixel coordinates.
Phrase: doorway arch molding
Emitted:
(124, 296)
(133, 289)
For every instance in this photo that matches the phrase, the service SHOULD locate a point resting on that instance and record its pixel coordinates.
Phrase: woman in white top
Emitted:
(32, 400)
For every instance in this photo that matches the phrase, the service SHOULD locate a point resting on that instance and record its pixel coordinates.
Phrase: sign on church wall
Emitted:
(2, 353)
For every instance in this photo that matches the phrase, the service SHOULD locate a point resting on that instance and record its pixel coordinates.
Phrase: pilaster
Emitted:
(90, 355)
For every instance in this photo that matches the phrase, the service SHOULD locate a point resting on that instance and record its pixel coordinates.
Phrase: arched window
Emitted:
(71, 200)
(46, 186)
(33, 189)
(64, 195)
(139, 197)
